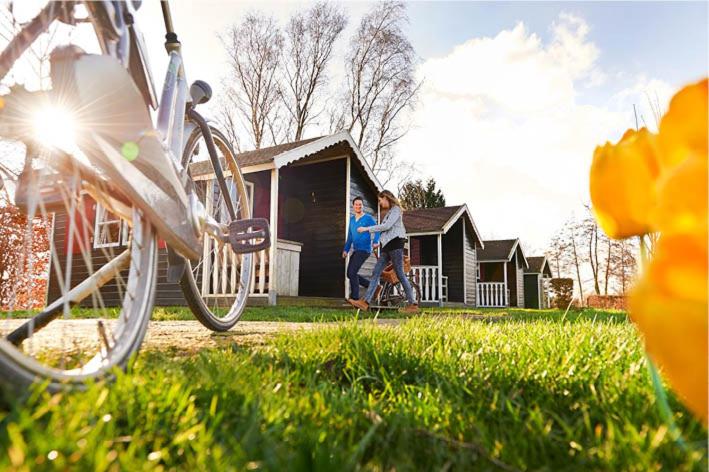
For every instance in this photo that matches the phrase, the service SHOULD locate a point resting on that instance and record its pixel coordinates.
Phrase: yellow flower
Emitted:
(682, 198)
(659, 184)
(669, 305)
(623, 180)
(683, 129)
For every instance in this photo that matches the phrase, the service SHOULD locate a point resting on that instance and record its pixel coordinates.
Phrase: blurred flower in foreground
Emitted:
(658, 183)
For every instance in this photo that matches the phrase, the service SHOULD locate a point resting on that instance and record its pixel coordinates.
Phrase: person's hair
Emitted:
(393, 201)
(357, 198)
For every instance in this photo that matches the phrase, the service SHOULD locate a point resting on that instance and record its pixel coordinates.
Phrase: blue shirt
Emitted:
(361, 241)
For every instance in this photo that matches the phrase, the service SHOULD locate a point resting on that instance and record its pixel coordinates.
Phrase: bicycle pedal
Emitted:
(251, 235)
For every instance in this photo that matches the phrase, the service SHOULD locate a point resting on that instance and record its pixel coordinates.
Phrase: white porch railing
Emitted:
(220, 270)
(426, 276)
(492, 295)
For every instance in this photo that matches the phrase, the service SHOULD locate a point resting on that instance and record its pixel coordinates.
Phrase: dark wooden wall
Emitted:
(360, 187)
(453, 261)
(531, 290)
(492, 272)
(314, 214)
(262, 193)
(166, 293)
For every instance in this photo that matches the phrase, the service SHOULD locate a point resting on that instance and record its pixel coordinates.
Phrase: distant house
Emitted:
(303, 188)
(536, 283)
(501, 279)
(443, 243)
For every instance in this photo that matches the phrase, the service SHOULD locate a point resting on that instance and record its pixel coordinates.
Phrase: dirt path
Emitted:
(178, 335)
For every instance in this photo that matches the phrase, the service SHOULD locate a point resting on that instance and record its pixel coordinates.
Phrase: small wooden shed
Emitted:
(501, 278)
(536, 283)
(303, 188)
(443, 243)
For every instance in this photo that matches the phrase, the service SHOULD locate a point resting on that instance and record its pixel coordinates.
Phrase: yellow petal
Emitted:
(622, 184)
(682, 198)
(683, 129)
(669, 305)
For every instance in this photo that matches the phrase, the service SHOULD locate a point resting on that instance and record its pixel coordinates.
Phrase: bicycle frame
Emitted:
(156, 183)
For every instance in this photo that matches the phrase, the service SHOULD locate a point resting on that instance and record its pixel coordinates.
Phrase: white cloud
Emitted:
(501, 126)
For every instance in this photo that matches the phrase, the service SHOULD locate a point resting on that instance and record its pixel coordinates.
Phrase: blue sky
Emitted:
(667, 40)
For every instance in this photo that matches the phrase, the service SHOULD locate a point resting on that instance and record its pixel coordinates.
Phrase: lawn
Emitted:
(440, 391)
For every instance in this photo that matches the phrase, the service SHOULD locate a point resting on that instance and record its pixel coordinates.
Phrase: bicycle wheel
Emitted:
(77, 281)
(395, 295)
(217, 287)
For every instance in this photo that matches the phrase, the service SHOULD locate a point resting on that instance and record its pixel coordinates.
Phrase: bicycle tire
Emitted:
(193, 287)
(19, 371)
(394, 295)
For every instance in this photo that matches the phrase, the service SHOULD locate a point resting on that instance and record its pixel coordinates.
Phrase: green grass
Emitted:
(300, 314)
(525, 391)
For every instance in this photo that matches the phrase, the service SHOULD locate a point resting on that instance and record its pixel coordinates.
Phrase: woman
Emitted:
(391, 240)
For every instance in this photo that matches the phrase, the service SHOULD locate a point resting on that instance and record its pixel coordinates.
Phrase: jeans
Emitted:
(397, 258)
(356, 260)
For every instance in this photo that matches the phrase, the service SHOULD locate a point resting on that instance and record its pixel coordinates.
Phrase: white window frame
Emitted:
(123, 234)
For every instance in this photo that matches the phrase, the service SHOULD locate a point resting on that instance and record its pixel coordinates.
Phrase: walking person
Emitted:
(392, 239)
(361, 243)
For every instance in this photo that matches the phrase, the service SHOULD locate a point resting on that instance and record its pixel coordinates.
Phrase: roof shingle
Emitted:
(496, 250)
(252, 158)
(428, 220)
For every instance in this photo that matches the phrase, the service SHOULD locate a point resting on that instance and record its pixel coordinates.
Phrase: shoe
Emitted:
(377, 292)
(360, 304)
(409, 309)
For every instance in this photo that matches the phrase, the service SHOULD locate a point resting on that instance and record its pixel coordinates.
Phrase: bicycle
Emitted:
(393, 294)
(135, 171)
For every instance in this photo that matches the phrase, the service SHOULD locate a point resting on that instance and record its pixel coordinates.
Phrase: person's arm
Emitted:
(375, 239)
(389, 221)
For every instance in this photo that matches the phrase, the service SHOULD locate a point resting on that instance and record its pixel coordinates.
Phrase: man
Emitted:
(361, 243)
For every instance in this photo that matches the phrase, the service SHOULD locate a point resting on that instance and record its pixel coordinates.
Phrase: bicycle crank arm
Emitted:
(75, 296)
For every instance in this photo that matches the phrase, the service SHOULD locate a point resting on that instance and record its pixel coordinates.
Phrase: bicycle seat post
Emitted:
(171, 41)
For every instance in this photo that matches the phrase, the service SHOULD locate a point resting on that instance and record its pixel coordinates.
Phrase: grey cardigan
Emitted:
(391, 227)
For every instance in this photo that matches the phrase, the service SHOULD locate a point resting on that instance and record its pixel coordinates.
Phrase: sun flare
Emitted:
(55, 126)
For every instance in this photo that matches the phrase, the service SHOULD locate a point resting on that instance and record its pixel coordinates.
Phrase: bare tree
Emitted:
(255, 47)
(593, 239)
(226, 113)
(310, 37)
(381, 85)
(624, 263)
(557, 254)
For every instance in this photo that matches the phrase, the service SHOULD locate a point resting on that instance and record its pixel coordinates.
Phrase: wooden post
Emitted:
(348, 197)
(504, 295)
(465, 272)
(440, 270)
(272, 286)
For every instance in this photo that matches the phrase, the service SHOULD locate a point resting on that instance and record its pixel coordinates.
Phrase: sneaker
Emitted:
(410, 309)
(360, 304)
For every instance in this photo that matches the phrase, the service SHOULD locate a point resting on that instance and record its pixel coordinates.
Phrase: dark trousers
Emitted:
(357, 258)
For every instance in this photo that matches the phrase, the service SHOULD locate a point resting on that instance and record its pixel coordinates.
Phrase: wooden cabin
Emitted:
(443, 243)
(536, 283)
(501, 276)
(303, 188)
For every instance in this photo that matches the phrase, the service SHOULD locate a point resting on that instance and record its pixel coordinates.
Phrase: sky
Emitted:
(515, 95)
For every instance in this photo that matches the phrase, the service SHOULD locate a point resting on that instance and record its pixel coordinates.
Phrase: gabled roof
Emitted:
(265, 155)
(538, 265)
(501, 250)
(275, 157)
(437, 220)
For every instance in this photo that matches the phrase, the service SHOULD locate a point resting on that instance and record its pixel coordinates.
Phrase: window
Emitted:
(478, 272)
(109, 230)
